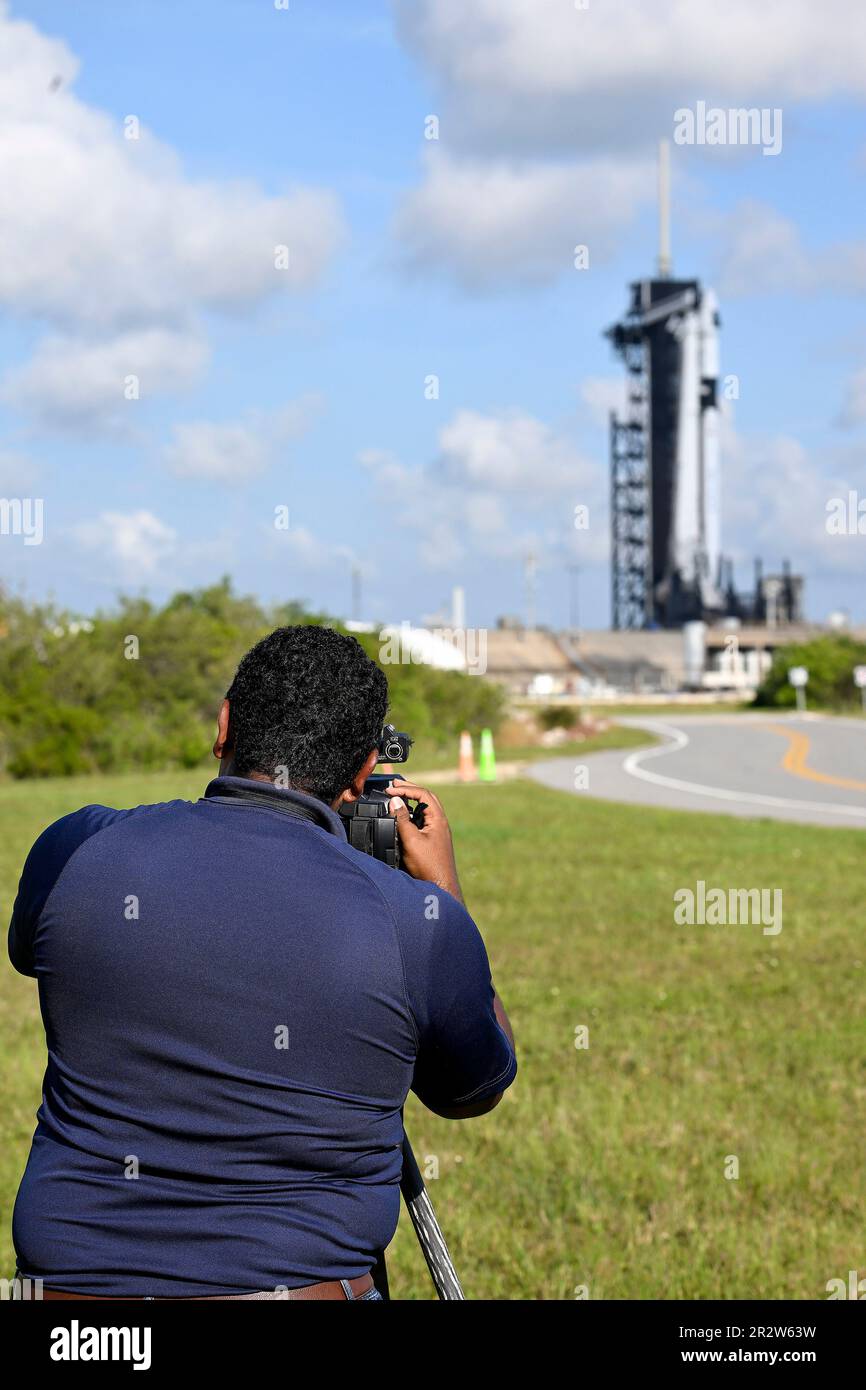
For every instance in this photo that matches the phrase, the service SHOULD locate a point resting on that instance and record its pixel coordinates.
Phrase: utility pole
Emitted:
(665, 263)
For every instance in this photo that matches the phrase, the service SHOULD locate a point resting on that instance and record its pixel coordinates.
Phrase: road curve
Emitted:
(807, 768)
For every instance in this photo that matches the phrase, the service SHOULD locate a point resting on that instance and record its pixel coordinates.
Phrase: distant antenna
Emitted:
(664, 210)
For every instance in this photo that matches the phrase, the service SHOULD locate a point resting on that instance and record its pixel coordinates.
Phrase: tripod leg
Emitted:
(427, 1229)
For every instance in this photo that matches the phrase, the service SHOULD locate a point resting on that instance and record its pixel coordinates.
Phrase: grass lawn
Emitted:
(606, 1167)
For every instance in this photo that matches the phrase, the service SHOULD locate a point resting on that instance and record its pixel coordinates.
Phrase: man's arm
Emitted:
(468, 1037)
(469, 1112)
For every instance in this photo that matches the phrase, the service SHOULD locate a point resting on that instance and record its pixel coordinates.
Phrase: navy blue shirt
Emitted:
(236, 1004)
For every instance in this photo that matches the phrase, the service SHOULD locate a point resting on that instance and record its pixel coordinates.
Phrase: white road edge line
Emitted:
(678, 740)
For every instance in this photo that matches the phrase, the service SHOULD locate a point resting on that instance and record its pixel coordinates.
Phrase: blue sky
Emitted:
(409, 257)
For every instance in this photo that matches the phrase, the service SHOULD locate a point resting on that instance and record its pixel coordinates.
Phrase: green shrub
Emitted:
(140, 686)
(830, 661)
(556, 717)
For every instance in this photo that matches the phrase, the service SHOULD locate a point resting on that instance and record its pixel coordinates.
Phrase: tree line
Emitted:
(138, 686)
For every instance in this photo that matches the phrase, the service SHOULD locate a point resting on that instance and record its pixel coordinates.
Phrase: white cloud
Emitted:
(307, 551)
(104, 237)
(499, 486)
(489, 222)
(762, 252)
(70, 383)
(601, 395)
(509, 453)
(100, 229)
(226, 453)
(485, 514)
(549, 77)
(137, 543)
(775, 495)
(435, 514)
(234, 451)
(550, 115)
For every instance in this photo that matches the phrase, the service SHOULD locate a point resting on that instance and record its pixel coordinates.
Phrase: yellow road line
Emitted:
(794, 761)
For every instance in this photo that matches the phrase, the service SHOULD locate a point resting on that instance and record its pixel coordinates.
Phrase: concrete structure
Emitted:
(657, 663)
(530, 662)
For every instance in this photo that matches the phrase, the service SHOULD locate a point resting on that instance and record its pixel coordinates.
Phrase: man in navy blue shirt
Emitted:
(237, 1002)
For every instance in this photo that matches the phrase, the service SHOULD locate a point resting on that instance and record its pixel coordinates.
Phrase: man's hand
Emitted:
(427, 850)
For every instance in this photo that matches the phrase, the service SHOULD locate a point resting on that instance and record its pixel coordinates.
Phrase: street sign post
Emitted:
(860, 680)
(798, 676)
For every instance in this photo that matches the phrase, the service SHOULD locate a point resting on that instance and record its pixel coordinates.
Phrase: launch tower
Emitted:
(667, 565)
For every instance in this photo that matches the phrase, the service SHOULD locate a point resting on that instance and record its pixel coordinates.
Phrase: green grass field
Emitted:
(605, 1167)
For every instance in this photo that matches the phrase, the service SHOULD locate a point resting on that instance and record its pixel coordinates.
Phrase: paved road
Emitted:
(805, 768)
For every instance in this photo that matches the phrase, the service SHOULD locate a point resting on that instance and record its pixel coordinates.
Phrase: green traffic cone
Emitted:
(486, 758)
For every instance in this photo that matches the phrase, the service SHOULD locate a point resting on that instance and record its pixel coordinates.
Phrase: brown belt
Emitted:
(332, 1288)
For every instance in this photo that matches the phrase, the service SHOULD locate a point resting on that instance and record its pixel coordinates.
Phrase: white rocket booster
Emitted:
(711, 423)
(697, 523)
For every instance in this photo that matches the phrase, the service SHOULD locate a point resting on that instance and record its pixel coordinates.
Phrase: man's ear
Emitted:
(354, 790)
(223, 742)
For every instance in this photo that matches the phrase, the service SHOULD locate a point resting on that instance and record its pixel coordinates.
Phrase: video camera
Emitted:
(368, 822)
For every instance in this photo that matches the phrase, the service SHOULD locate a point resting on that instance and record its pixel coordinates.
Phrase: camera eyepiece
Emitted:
(393, 747)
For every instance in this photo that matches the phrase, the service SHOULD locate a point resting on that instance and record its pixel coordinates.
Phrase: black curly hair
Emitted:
(308, 700)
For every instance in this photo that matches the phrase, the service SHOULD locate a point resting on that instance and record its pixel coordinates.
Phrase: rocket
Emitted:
(696, 538)
(710, 443)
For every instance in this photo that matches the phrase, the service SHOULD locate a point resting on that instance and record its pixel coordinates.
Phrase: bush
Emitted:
(557, 717)
(830, 661)
(139, 687)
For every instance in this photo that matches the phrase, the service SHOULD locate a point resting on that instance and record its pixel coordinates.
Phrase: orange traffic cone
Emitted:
(466, 764)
